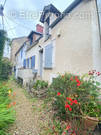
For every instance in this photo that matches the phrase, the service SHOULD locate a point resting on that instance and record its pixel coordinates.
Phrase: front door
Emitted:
(41, 62)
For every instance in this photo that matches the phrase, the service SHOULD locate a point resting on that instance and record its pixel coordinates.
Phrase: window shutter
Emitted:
(24, 63)
(48, 56)
(33, 62)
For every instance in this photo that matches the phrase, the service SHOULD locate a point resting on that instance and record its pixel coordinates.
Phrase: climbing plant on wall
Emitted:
(5, 66)
(3, 38)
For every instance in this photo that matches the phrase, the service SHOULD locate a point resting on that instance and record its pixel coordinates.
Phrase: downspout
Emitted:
(98, 21)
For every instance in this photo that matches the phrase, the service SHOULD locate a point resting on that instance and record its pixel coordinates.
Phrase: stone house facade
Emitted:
(71, 42)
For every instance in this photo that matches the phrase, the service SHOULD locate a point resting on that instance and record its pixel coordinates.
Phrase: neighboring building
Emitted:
(15, 45)
(24, 65)
(70, 42)
(7, 50)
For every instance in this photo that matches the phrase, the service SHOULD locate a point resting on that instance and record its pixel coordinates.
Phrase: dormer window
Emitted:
(49, 15)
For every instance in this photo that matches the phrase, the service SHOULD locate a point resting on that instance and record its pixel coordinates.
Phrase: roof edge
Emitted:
(66, 11)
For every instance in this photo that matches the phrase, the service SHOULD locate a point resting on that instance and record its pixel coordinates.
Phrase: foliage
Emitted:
(3, 38)
(7, 114)
(75, 95)
(5, 69)
(5, 66)
(40, 84)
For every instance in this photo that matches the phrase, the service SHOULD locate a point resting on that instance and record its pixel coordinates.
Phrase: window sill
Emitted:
(48, 68)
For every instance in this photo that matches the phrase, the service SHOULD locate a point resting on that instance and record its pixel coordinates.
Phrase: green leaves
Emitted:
(40, 84)
(7, 115)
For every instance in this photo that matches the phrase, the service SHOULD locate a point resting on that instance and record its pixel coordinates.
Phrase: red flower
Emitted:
(98, 73)
(70, 109)
(68, 127)
(71, 78)
(78, 84)
(76, 77)
(58, 94)
(67, 106)
(53, 127)
(69, 99)
(73, 133)
(77, 81)
(71, 103)
(66, 102)
(14, 103)
(64, 133)
(75, 102)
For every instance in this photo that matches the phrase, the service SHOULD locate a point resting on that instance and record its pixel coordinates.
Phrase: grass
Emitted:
(7, 113)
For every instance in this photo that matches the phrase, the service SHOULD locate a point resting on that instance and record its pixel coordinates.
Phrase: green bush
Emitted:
(83, 90)
(5, 69)
(40, 84)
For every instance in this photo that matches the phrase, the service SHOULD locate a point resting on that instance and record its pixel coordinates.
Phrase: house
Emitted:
(71, 42)
(15, 45)
(26, 64)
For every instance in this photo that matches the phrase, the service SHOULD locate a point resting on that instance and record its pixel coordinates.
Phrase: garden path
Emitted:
(25, 121)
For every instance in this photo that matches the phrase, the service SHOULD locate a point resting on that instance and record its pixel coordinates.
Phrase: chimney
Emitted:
(39, 28)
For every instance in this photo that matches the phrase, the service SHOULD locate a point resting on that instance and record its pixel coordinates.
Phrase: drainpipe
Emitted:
(98, 20)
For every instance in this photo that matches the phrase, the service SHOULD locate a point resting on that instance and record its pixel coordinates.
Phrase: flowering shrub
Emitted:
(75, 97)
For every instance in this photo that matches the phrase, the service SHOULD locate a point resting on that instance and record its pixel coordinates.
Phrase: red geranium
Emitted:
(58, 94)
(75, 102)
(70, 109)
(67, 106)
(78, 84)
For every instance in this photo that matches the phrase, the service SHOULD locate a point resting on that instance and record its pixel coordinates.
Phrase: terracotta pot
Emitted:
(90, 122)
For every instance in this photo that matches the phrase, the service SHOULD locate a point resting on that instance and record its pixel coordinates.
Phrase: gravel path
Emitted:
(25, 121)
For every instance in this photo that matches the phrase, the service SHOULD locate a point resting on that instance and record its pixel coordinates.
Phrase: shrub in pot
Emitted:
(83, 89)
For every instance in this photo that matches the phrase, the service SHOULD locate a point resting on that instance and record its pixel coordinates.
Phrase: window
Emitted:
(33, 62)
(48, 56)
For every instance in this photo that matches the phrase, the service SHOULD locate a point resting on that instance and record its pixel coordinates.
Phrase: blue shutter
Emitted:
(32, 61)
(24, 63)
(48, 56)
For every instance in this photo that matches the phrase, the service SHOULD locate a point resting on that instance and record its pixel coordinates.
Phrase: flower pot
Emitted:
(90, 123)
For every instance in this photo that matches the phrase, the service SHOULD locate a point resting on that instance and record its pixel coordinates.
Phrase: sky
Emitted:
(21, 16)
